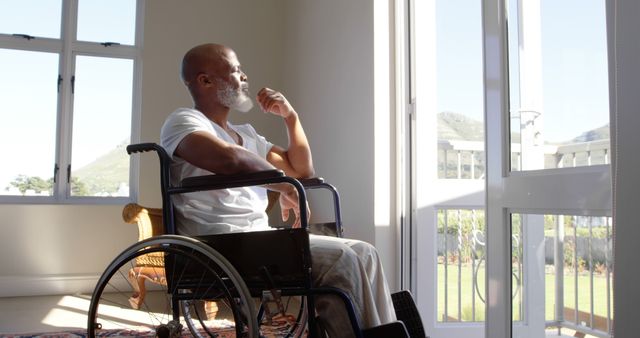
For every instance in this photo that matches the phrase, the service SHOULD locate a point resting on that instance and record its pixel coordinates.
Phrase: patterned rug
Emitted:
(280, 326)
(226, 333)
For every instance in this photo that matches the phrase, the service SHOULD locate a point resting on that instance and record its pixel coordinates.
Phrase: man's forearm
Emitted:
(232, 159)
(299, 151)
(244, 161)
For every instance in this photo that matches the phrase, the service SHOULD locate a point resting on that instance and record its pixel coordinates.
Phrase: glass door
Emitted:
(510, 167)
(449, 167)
(548, 182)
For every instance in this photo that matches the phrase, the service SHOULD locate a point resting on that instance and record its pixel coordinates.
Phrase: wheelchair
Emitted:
(260, 282)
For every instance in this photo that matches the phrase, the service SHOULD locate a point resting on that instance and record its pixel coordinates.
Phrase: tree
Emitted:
(35, 183)
(79, 188)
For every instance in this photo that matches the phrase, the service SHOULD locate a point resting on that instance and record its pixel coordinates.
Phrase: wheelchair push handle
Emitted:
(144, 147)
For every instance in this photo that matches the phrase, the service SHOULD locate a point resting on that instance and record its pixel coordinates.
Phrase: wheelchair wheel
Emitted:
(134, 300)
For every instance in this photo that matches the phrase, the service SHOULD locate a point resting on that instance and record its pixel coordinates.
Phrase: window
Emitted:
(559, 95)
(68, 99)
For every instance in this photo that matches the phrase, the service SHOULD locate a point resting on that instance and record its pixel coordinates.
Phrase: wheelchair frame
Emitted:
(213, 182)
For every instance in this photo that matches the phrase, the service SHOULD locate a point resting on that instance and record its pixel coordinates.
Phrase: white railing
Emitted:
(460, 244)
(465, 159)
(588, 252)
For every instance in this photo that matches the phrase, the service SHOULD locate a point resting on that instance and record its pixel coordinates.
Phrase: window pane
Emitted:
(28, 101)
(573, 293)
(461, 265)
(101, 126)
(559, 84)
(459, 93)
(32, 17)
(107, 21)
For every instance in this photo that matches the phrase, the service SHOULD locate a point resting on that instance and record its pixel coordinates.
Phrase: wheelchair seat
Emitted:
(260, 262)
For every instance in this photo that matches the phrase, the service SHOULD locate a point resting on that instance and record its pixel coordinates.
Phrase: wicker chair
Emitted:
(150, 267)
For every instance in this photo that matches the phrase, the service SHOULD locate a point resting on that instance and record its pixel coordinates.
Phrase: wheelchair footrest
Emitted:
(407, 312)
(393, 329)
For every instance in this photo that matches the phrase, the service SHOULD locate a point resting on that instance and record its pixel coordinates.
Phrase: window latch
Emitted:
(73, 84)
(59, 82)
(24, 36)
(69, 173)
(56, 168)
(109, 44)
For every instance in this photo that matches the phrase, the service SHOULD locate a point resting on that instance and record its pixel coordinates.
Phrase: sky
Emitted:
(29, 97)
(574, 63)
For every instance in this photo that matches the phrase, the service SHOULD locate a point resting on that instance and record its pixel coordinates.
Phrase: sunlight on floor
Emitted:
(43, 313)
(71, 311)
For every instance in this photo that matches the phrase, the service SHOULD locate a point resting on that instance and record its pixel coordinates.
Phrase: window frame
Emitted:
(68, 48)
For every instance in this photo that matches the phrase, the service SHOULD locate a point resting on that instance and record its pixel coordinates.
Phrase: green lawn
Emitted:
(584, 301)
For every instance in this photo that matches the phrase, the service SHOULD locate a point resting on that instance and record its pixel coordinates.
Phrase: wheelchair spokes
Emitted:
(131, 303)
(293, 324)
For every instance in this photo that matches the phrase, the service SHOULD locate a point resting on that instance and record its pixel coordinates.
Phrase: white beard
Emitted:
(237, 99)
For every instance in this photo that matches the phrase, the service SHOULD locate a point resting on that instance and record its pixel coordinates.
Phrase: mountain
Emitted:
(455, 126)
(107, 172)
(592, 135)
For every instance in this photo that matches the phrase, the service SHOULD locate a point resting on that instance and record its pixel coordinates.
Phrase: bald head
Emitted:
(213, 76)
(207, 58)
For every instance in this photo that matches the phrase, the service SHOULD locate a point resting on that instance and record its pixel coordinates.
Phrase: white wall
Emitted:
(319, 53)
(329, 76)
(49, 249)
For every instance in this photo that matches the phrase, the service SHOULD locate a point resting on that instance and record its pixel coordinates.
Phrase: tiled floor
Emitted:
(43, 314)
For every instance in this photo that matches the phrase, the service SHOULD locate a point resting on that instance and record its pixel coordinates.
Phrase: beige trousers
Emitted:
(354, 267)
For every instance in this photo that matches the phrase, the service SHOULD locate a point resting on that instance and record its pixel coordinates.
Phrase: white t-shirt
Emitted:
(215, 211)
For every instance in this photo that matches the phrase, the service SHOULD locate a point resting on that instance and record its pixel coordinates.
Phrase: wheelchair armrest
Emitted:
(213, 182)
(319, 183)
(310, 182)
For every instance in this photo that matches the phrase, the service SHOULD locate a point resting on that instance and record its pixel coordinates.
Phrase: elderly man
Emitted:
(201, 141)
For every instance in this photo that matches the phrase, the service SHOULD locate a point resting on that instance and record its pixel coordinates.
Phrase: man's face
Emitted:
(232, 87)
